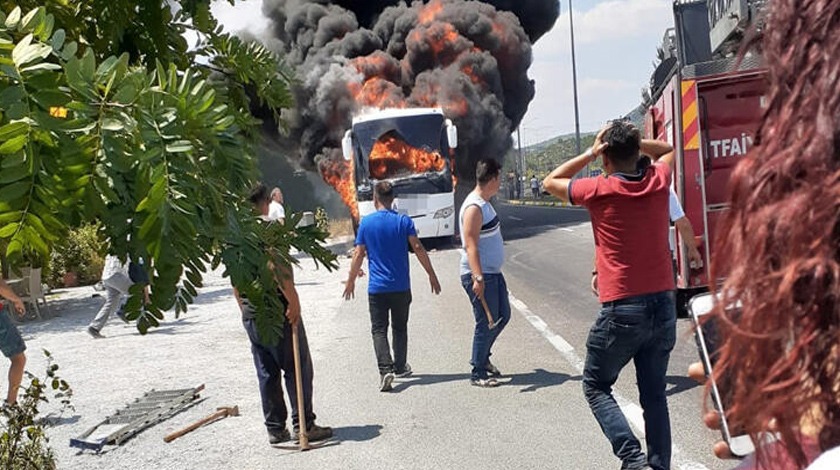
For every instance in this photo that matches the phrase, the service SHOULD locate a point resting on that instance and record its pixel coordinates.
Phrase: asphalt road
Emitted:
(549, 259)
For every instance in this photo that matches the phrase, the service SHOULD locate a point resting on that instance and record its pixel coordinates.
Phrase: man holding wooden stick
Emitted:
(273, 360)
(481, 270)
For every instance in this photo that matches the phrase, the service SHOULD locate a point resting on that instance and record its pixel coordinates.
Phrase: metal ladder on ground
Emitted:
(153, 407)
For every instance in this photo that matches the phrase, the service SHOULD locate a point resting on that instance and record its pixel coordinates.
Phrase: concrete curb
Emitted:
(525, 202)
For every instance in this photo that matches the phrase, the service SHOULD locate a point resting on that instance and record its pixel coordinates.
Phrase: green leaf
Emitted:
(111, 124)
(13, 19)
(14, 190)
(179, 146)
(14, 144)
(69, 51)
(16, 173)
(25, 52)
(13, 129)
(57, 40)
(41, 66)
(9, 229)
(28, 22)
(88, 66)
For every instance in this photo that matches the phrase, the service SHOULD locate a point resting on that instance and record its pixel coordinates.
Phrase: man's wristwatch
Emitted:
(478, 278)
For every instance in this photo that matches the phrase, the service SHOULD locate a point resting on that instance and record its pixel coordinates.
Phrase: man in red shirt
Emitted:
(637, 320)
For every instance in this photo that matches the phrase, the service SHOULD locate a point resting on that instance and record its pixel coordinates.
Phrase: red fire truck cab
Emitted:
(707, 103)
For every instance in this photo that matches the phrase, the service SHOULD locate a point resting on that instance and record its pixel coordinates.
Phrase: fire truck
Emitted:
(412, 149)
(706, 100)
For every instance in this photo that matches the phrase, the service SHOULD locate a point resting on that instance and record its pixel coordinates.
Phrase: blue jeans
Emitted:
(496, 295)
(642, 328)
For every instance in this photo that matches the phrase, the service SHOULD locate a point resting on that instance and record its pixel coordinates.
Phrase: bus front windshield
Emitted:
(409, 151)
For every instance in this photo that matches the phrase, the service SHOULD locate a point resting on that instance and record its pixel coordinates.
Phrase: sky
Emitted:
(615, 46)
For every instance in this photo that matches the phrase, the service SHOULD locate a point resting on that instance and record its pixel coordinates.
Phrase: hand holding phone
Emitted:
(706, 335)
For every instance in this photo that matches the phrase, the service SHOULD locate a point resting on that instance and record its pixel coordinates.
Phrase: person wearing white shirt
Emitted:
(275, 208)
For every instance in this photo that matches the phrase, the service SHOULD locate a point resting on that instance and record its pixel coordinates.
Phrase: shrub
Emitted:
(23, 442)
(82, 252)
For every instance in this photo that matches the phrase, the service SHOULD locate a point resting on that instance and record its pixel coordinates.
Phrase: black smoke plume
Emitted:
(469, 57)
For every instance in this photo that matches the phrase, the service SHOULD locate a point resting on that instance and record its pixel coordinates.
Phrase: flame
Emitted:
(377, 93)
(338, 173)
(392, 156)
(430, 12)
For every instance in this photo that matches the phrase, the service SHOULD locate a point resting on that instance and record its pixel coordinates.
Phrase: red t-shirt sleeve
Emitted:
(581, 190)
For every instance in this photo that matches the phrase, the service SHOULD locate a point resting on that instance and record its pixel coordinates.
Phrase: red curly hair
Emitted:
(779, 246)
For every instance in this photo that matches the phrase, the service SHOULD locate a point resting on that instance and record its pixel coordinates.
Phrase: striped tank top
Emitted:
(491, 247)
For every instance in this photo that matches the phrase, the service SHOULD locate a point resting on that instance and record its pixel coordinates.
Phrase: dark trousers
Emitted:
(391, 306)
(641, 328)
(270, 361)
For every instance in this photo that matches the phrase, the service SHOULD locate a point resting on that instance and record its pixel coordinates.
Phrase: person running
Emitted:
(637, 320)
(11, 343)
(274, 357)
(482, 256)
(384, 237)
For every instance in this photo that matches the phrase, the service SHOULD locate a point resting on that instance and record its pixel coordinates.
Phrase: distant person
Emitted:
(384, 237)
(482, 257)
(637, 320)
(275, 208)
(116, 281)
(274, 357)
(535, 186)
(11, 343)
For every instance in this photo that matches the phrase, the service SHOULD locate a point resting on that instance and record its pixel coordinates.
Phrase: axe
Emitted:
(491, 324)
(222, 412)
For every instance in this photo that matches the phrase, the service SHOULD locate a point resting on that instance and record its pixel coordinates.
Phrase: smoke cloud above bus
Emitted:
(469, 58)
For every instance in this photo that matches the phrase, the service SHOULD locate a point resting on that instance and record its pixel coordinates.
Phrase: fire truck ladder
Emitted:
(153, 407)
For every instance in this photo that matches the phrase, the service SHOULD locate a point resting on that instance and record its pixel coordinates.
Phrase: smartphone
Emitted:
(708, 343)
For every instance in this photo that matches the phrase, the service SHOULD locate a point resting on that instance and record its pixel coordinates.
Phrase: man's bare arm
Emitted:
(423, 258)
(287, 287)
(658, 151)
(355, 267)
(687, 236)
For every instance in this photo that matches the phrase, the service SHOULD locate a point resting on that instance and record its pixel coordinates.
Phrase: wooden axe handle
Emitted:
(196, 425)
(490, 319)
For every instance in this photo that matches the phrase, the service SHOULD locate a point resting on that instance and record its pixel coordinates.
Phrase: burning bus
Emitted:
(413, 149)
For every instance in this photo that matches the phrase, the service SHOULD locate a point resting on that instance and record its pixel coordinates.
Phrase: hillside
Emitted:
(542, 157)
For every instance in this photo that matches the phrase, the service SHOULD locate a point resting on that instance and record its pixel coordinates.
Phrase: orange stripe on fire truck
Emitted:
(690, 117)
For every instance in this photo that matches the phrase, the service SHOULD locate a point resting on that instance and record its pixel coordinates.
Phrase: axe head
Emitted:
(229, 410)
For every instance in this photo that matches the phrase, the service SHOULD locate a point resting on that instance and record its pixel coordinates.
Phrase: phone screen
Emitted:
(708, 344)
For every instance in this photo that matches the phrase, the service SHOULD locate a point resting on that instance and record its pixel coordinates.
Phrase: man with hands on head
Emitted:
(384, 237)
(637, 319)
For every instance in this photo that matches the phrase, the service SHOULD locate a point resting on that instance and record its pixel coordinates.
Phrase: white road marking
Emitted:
(513, 217)
(566, 229)
(631, 411)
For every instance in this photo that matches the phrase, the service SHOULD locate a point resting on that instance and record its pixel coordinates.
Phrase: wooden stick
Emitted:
(302, 433)
(223, 412)
(490, 320)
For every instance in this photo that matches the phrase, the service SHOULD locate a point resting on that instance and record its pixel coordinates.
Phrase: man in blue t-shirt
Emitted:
(384, 237)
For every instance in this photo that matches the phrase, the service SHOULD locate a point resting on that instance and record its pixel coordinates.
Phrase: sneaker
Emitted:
(405, 372)
(94, 332)
(492, 370)
(485, 383)
(276, 437)
(315, 433)
(386, 381)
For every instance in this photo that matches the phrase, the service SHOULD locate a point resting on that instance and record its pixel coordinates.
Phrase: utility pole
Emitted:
(521, 161)
(574, 84)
